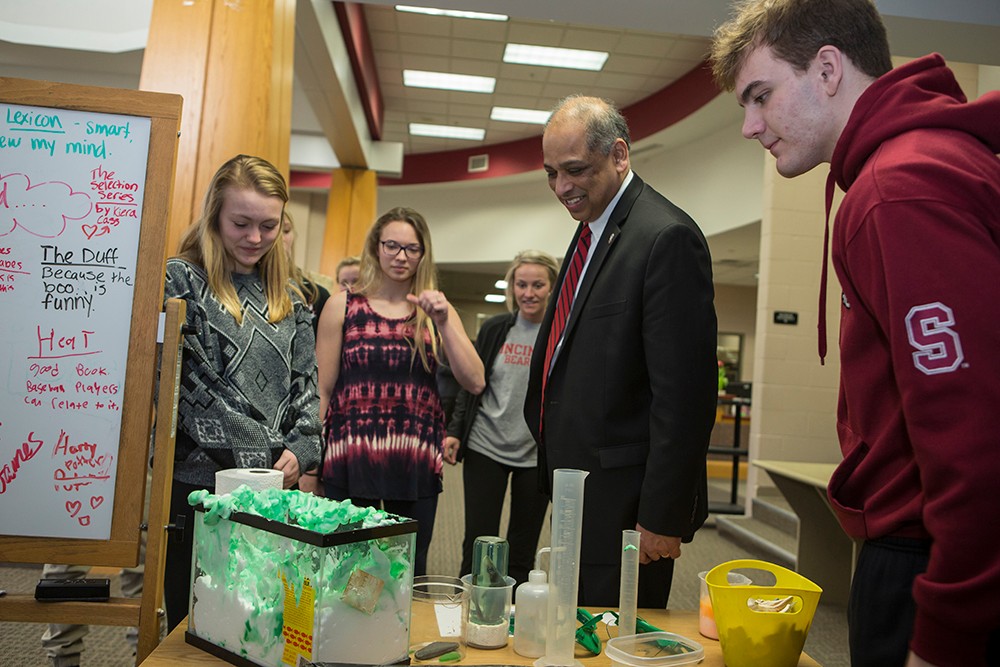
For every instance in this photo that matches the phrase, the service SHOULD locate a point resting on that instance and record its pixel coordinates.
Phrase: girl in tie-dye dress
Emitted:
(378, 348)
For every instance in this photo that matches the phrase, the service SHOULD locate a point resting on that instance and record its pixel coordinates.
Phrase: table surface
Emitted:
(175, 651)
(814, 474)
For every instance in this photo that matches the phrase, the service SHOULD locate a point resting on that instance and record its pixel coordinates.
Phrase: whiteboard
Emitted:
(71, 202)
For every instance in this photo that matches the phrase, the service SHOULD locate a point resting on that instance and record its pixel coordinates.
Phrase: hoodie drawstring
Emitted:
(821, 324)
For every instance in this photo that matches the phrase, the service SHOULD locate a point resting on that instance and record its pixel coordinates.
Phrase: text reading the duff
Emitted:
(71, 279)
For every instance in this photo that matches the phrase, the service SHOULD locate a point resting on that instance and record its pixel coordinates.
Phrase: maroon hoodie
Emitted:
(916, 246)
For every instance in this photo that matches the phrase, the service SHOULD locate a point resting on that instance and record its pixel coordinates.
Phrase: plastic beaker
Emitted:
(564, 568)
(488, 621)
(437, 619)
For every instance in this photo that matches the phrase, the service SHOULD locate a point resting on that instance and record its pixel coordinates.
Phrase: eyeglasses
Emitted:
(391, 249)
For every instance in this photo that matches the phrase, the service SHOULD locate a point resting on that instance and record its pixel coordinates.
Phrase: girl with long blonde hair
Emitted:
(378, 350)
(248, 382)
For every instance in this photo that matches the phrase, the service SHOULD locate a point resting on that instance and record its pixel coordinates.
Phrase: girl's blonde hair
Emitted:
(425, 277)
(202, 244)
(306, 288)
(542, 259)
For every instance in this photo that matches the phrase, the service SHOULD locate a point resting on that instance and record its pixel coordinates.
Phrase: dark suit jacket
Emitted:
(632, 394)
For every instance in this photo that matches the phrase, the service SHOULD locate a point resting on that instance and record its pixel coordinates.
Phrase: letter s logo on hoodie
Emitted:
(929, 329)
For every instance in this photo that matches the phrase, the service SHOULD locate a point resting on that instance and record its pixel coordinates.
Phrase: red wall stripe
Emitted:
(354, 27)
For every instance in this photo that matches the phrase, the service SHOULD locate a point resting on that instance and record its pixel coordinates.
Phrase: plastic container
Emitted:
(752, 638)
(443, 603)
(706, 616)
(564, 568)
(531, 599)
(653, 649)
(488, 622)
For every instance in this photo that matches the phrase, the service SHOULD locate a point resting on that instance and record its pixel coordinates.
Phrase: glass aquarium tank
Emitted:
(278, 575)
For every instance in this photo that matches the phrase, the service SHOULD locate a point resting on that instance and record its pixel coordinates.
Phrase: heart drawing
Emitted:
(95, 501)
(90, 231)
(73, 507)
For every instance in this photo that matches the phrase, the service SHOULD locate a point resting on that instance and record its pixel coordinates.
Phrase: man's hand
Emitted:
(653, 546)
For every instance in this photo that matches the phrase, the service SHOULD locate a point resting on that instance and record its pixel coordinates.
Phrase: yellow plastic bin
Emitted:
(752, 638)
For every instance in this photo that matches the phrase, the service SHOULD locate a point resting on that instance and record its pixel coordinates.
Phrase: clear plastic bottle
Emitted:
(531, 601)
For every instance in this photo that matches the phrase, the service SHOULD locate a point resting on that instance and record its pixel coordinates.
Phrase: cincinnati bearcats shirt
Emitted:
(499, 430)
(915, 246)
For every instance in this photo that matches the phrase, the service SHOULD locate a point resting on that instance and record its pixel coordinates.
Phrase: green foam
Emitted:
(250, 560)
(296, 508)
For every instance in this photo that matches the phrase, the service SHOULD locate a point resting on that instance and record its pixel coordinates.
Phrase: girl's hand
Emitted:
(288, 464)
(450, 453)
(309, 483)
(434, 303)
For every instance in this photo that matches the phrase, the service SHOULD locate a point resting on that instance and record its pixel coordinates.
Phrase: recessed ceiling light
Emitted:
(500, 284)
(495, 298)
(432, 11)
(512, 115)
(445, 81)
(447, 131)
(548, 56)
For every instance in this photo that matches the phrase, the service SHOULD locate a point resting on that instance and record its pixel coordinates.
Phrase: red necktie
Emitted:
(565, 301)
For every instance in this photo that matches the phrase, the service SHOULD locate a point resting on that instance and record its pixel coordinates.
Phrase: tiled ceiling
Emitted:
(640, 63)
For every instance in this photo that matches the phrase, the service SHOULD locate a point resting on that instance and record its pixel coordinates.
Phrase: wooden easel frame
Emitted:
(163, 110)
(122, 549)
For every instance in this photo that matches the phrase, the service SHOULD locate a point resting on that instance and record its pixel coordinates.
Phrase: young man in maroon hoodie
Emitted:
(915, 246)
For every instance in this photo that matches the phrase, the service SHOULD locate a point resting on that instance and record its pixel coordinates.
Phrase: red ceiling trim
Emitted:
(354, 27)
(672, 104)
(646, 117)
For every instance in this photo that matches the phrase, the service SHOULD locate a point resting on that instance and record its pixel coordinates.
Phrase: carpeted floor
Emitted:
(106, 647)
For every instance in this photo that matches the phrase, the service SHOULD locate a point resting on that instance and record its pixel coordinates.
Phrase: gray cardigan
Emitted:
(247, 391)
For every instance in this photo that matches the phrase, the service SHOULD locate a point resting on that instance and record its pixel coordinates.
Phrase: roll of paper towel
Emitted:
(258, 479)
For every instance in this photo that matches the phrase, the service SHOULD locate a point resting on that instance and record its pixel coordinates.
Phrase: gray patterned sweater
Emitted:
(247, 392)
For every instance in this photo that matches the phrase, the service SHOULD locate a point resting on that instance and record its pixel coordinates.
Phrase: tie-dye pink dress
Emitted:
(385, 425)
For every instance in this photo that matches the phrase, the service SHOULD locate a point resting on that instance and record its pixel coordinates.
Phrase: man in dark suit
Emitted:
(630, 385)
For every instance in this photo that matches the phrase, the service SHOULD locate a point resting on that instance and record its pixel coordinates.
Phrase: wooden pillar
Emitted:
(350, 212)
(232, 64)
